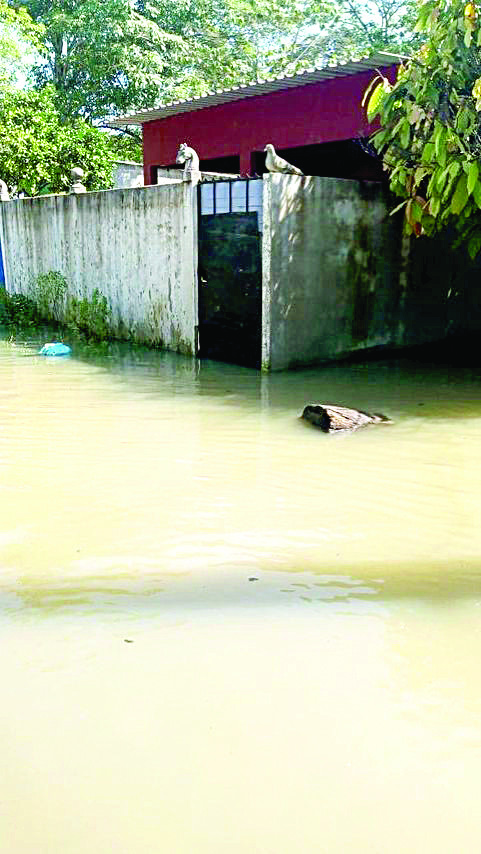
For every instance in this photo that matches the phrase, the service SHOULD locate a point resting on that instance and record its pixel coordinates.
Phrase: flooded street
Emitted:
(224, 632)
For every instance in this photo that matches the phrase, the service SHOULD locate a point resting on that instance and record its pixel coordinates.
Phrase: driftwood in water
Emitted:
(333, 418)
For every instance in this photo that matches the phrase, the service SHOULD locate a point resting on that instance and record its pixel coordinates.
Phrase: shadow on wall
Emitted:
(343, 278)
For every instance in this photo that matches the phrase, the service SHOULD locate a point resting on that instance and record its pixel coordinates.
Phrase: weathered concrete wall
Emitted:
(127, 173)
(329, 254)
(2, 271)
(339, 276)
(137, 246)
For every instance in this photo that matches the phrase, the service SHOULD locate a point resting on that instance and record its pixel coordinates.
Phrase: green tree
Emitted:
(19, 39)
(101, 56)
(240, 41)
(106, 57)
(366, 26)
(126, 146)
(38, 150)
(430, 135)
(234, 41)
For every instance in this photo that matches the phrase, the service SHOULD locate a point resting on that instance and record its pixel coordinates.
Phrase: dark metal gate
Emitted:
(230, 271)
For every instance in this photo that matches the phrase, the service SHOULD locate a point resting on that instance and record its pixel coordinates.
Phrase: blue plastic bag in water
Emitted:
(55, 348)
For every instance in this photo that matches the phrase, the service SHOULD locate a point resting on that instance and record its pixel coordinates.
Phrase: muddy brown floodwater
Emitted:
(224, 632)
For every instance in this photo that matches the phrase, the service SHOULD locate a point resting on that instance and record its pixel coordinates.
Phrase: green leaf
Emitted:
(463, 120)
(454, 168)
(441, 179)
(440, 145)
(429, 224)
(448, 190)
(416, 211)
(442, 156)
(428, 152)
(474, 246)
(460, 196)
(473, 175)
(368, 90)
(419, 174)
(374, 103)
(431, 188)
(423, 16)
(477, 193)
(378, 138)
(405, 134)
(398, 207)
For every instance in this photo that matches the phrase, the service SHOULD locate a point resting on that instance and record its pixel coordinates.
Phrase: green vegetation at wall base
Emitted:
(87, 318)
(17, 310)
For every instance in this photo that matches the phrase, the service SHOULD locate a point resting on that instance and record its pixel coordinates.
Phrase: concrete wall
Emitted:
(2, 271)
(127, 173)
(137, 246)
(339, 276)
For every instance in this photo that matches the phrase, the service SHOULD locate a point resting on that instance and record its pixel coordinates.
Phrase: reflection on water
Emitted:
(223, 631)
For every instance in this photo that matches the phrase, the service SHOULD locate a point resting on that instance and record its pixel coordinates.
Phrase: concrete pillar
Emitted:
(266, 273)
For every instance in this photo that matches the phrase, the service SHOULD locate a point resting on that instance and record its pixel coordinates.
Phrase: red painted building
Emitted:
(314, 119)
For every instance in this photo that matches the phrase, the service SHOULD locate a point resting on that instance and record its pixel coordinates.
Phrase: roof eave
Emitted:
(265, 87)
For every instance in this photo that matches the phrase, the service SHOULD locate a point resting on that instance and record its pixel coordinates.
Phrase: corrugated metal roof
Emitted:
(262, 87)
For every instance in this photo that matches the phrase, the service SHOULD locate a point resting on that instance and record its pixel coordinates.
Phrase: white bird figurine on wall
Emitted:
(275, 163)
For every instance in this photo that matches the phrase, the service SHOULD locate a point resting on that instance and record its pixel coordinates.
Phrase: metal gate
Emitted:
(230, 271)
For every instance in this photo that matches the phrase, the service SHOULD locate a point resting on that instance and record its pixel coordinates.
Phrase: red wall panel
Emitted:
(306, 115)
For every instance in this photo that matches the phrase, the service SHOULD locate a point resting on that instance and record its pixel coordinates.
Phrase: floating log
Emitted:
(331, 419)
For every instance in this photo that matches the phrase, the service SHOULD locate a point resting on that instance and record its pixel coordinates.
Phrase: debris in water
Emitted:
(333, 418)
(55, 348)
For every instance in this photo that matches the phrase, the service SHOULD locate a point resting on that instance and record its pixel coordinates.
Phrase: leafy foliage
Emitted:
(50, 295)
(107, 57)
(126, 146)
(430, 133)
(37, 151)
(17, 310)
(19, 37)
(232, 41)
(89, 317)
(361, 27)
(49, 301)
(101, 56)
